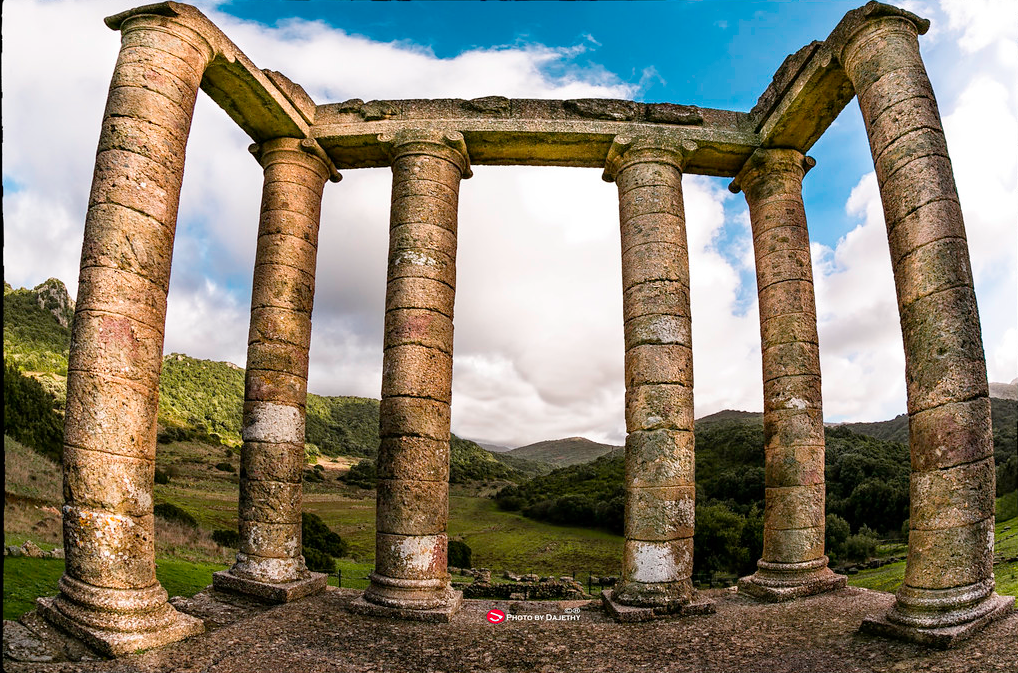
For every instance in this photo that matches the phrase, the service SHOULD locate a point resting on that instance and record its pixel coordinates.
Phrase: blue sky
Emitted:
(538, 351)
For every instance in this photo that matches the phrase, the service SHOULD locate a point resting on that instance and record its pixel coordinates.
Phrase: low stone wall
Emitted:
(560, 589)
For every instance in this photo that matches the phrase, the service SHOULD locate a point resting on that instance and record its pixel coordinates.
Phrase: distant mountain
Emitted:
(493, 447)
(730, 415)
(1003, 414)
(564, 452)
(1005, 391)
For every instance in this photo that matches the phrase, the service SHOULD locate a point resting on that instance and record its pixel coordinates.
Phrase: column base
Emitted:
(943, 637)
(270, 592)
(777, 582)
(169, 627)
(628, 614)
(440, 614)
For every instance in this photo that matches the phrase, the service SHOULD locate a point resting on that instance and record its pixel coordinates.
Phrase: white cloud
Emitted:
(857, 316)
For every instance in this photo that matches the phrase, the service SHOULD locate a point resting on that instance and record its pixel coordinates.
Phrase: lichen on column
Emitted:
(949, 586)
(413, 461)
(269, 563)
(109, 595)
(660, 491)
(793, 562)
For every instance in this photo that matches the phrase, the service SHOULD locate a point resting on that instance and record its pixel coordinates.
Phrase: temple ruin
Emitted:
(109, 595)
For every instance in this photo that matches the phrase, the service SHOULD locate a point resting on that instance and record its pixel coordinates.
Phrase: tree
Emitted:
(717, 544)
(29, 415)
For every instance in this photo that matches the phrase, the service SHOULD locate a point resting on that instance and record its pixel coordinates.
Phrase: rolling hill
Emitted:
(564, 452)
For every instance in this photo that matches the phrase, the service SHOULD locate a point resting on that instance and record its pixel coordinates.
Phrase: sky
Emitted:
(538, 337)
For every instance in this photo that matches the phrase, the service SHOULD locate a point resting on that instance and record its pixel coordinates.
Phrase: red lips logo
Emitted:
(496, 616)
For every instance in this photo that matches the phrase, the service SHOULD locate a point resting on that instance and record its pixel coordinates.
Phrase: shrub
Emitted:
(319, 561)
(460, 554)
(362, 475)
(1007, 476)
(162, 477)
(171, 512)
(315, 474)
(317, 535)
(225, 467)
(226, 538)
(862, 545)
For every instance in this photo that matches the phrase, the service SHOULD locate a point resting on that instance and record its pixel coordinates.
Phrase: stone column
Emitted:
(411, 578)
(793, 562)
(949, 587)
(269, 563)
(660, 493)
(109, 595)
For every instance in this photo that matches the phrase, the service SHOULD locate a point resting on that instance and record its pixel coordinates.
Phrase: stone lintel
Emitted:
(806, 105)
(119, 643)
(942, 638)
(722, 144)
(442, 614)
(628, 614)
(269, 592)
(822, 583)
(810, 88)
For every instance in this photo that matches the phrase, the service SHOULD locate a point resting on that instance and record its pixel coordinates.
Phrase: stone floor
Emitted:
(320, 634)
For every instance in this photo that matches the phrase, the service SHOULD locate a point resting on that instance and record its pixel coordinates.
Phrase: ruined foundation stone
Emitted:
(411, 577)
(660, 493)
(109, 595)
(793, 562)
(270, 564)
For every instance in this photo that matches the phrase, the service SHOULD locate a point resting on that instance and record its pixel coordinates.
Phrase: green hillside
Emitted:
(867, 480)
(563, 452)
(207, 397)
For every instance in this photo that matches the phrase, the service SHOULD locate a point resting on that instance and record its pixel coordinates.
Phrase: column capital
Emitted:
(873, 18)
(168, 17)
(773, 163)
(269, 151)
(628, 150)
(446, 144)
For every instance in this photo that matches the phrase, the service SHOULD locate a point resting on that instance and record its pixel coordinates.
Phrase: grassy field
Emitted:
(499, 540)
(27, 578)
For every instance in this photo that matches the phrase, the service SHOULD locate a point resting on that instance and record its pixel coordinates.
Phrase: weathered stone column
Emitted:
(269, 562)
(660, 493)
(411, 578)
(949, 587)
(109, 595)
(793, 562)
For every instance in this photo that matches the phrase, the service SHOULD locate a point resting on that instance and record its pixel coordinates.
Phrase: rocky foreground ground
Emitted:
(320, 634)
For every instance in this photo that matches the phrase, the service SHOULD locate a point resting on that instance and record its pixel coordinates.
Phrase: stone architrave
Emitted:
(793, 563)
(660, 492)
(109, 595)
(269, 563)
(948, 591)
(410, 579)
